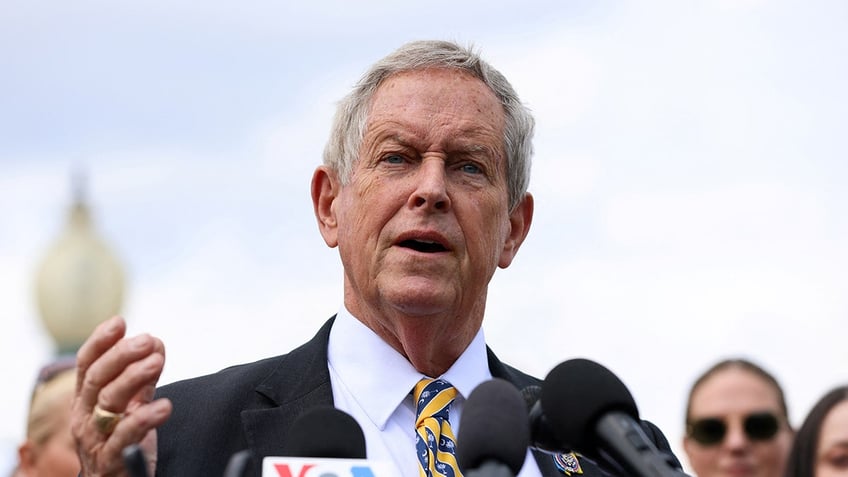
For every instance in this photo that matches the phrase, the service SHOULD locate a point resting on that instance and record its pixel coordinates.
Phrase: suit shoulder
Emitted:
(501, 370)
(232, 379)
(299, 364)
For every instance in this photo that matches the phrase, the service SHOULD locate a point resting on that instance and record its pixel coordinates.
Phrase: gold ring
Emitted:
(105, 420)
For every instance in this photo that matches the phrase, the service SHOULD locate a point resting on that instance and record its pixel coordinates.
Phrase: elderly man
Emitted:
(423, 190)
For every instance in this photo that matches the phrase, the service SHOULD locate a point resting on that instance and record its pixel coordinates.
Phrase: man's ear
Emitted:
(519, 222)
(325, 190)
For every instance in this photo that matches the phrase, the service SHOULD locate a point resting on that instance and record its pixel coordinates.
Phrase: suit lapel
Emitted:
(301, 381)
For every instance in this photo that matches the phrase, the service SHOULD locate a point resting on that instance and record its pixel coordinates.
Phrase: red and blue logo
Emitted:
(312, 467)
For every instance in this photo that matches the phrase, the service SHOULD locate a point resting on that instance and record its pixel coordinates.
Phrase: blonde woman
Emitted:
(49, 449)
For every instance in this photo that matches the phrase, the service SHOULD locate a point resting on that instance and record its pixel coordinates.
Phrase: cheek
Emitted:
(360, 223)
(67, 449)
(366, 202)
(349, 214)
(775, 452)
(59, 458)
(488, 236)
(703, 459)
(360, 226)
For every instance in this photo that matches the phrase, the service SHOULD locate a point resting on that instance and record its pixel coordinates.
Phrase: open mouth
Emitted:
(425, 246)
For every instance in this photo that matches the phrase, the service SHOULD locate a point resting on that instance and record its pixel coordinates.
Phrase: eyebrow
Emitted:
(840, 443)
(456, 144)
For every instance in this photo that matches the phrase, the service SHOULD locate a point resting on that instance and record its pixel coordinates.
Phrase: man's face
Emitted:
(731, 396)
(424, 221)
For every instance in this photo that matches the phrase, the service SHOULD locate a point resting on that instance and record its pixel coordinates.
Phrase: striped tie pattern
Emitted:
(434, 441)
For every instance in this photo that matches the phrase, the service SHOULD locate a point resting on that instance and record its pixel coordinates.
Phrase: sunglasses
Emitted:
(55, 368)
(761, 426)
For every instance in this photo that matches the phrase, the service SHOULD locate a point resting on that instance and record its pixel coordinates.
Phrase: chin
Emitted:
(420, 307)
(420, 301)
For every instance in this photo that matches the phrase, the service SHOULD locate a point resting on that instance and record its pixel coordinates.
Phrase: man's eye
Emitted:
(471, 168)
(393, 159)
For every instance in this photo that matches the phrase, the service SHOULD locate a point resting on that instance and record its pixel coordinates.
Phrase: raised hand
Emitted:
(113, 405)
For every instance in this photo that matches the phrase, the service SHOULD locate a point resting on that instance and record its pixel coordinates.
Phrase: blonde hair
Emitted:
(47, 397)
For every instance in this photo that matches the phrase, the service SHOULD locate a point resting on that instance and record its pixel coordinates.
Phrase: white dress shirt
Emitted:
(372, 382)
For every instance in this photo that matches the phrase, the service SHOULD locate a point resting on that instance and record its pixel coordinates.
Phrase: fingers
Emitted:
(104, 336)
(126, 371)
(132, 429)
(128, 368)
(113, 406)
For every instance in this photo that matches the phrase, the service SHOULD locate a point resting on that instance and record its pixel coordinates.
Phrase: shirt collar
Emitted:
(379, 378)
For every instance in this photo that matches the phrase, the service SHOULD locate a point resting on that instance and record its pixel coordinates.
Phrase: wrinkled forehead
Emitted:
(439, 107)
(438, 88)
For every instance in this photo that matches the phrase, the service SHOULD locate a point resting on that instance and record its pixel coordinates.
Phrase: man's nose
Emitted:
(430, 189)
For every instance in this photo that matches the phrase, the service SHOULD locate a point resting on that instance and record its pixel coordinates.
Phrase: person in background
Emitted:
(49, 449)
(821, 444)
(737, 423)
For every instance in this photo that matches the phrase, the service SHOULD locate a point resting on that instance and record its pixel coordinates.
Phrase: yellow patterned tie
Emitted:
(434, 441)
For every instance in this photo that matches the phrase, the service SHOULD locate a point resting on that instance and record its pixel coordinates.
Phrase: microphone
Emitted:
(324, 441)
(542, 436)
(324, 431)
(589, 408)
(237, 465)
(494, 432)
(134, 461)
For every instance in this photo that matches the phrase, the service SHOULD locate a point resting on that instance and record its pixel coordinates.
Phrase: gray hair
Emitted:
(342, 149)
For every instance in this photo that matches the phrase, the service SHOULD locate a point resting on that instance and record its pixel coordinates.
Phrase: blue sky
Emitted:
(689, 178)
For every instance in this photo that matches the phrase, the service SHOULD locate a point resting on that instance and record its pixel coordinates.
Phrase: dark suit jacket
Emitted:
(252, 406)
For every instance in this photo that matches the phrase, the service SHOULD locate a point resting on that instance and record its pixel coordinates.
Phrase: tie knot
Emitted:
(433, 397)
(434, 440)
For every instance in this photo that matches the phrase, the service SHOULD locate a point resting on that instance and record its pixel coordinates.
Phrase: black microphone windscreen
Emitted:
(134, 461)
(578, 392)
(238, 463)
(531, 395)
(493, 427)
(325, 431)
(542, 436)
